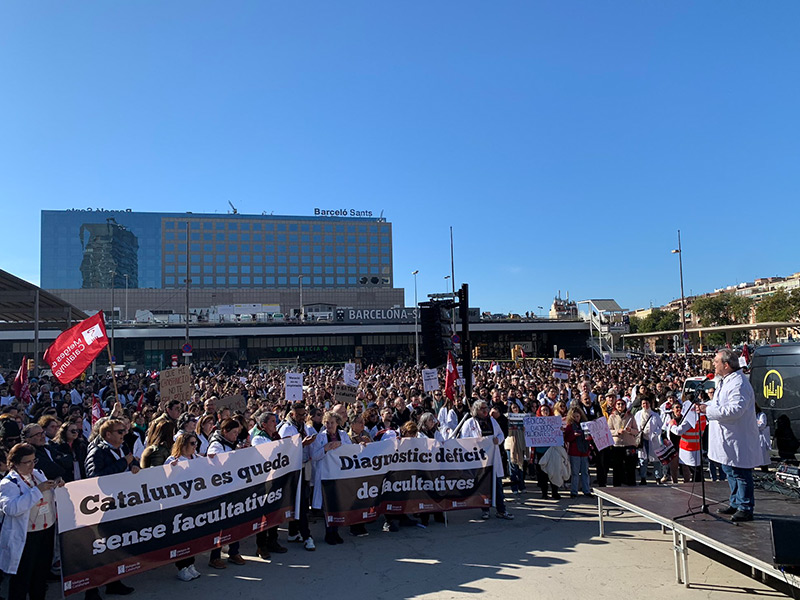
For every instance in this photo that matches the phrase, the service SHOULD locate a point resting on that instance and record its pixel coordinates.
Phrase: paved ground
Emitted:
(551, 550)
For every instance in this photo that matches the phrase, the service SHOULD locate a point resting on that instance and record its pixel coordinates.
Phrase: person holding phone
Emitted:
(27, 536)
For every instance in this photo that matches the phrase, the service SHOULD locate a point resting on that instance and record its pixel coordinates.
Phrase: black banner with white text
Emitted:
(121, 524)
(401, 476)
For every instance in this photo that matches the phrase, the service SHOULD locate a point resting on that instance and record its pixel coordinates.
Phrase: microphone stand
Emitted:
(704, 506)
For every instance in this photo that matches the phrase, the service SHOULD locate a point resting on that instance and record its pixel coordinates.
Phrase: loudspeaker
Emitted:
(436, 340)
(785, 549)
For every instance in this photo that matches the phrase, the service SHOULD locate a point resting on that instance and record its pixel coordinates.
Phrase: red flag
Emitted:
(450, 378)
(76, 348)
(97, 410)
(20, 386)
(521, 352)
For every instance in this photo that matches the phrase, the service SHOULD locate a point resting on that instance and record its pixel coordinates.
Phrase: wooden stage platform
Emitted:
(749, 542)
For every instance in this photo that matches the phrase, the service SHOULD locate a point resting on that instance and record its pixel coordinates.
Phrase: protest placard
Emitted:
(601, 434)
(294, 387)
(344, 394)
(120, 524)
(410, 475)
(350, 375)
(430, 379)
(176, 384)
(515, 421)
(561, 368)
(541, 432)
(234, 403)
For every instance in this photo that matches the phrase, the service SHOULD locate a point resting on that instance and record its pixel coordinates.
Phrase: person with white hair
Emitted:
(480, 424)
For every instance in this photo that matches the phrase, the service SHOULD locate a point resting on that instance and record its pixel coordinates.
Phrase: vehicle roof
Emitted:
(777, 349)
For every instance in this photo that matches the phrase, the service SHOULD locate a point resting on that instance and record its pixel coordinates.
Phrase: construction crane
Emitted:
(236, 212)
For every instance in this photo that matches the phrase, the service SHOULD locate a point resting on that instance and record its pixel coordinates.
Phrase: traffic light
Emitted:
(477, 352)
(31, 365)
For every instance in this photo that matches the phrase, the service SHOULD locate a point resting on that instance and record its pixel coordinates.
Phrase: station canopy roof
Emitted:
(606, 305)
(18, 304)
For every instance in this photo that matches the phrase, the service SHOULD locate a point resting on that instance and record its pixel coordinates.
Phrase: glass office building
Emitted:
(90, 249)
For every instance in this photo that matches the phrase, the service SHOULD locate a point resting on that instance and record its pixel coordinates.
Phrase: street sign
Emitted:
(456, 338)
(187, 349)
(174, 360)
(445, 295)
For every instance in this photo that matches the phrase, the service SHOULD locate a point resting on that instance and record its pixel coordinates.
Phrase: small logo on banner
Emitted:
(423, 506)
(457, 504)
(217, 540)
(289, 514)
(173, 553)
(67, 586)
(256, 526)
(92, 334)
(121, 570)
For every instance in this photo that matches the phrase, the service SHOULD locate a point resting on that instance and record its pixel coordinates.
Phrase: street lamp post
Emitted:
(416, 317)
(126, 297)
(679, 252)
(113, 276)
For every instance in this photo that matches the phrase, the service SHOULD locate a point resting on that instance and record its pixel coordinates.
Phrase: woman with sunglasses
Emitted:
(73, 447)
(27, 536)
(184, 449)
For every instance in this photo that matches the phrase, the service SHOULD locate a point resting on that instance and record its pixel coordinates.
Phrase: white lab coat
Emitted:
(16, 502)
(317, 452)
(472, 429)
(448, 421)
(651, 434)
(733, 437)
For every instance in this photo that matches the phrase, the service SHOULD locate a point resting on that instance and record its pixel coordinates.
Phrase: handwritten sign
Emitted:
(541, 432)
(430, 380)
(234, 403)
(294, 387)
(601, 434)
(344, 394)
(176, 384)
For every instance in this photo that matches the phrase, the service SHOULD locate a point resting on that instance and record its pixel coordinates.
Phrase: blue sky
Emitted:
(564, 141)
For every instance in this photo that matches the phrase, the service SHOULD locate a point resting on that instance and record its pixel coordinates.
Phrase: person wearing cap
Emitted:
(187, 423)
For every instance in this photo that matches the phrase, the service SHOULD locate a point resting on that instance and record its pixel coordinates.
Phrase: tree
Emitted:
(658, 320)
(724, 309)
(779, 306)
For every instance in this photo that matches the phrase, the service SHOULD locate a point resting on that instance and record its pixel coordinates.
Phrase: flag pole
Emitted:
(113, 374)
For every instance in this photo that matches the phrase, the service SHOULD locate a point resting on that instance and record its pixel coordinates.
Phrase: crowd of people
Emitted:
(86, 429)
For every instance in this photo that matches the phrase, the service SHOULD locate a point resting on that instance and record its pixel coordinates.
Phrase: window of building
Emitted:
(220, 281)
(232, 258)
(282, 280)
(208, 280)
(169, 280)
(168, 258)
(269, 269)
(317, 280)
(269, 280)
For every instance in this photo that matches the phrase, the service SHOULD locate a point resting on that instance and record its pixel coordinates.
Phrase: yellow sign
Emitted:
(773, 385)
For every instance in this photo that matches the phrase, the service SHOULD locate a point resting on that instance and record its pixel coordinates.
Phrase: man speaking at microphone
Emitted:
(733, 439)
